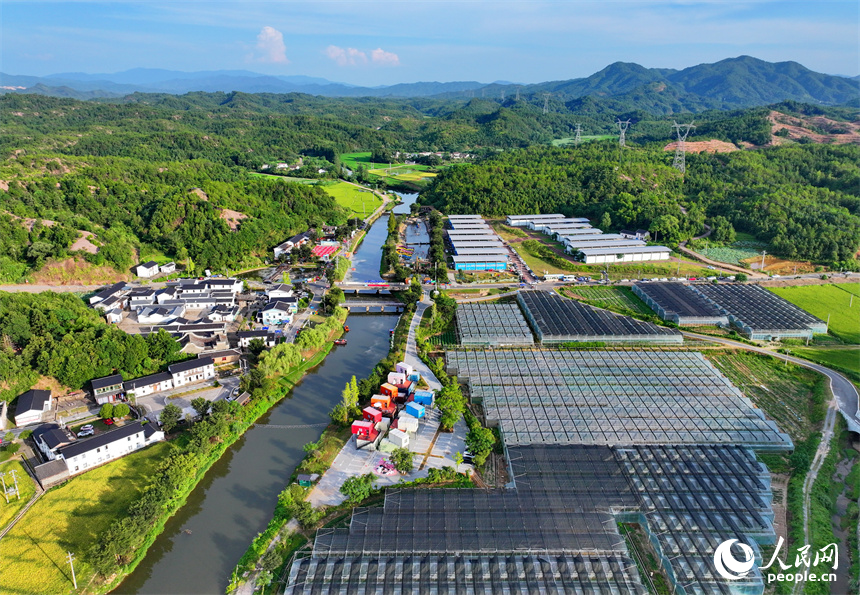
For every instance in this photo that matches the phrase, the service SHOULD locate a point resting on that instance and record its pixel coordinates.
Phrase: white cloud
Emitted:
(380, 56)
(346, 56)
(270, 46)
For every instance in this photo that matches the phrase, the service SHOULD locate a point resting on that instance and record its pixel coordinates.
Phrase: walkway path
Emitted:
(411, 356)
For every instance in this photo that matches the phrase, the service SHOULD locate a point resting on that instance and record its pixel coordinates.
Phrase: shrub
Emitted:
(358, 488)
(106, 411)
(402, 459)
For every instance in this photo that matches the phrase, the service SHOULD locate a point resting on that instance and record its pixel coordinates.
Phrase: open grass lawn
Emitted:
(70, 518)
(351, 160)
(847, 358)
(832, 300)
(359, 201)
(785, 392)
(619, 299)
(26, 488)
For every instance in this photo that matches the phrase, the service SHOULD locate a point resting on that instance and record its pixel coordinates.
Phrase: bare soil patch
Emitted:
(77, 271)
(84, 243)
(705, 146)
(199, 192)
(233, 218)
(818, 129)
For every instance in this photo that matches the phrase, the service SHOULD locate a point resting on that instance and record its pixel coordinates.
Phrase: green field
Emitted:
(733, 253)
(351, 160)
(829, 300)
(360, 201)
(619, 299)
(391, 172)
(560, 142)
(847, 358)
(71, 517)
(26, 487)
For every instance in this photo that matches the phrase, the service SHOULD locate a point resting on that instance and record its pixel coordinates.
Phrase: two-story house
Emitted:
(193, 370)
(31, 406)
(107, 389)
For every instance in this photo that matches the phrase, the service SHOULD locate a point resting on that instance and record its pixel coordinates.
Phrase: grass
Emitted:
(790, 395)
(733, 253)
(619, 299)
(560, 142)
(846, 358)
(70, 517)
(26, 487)
(361, 202)
(829, 300)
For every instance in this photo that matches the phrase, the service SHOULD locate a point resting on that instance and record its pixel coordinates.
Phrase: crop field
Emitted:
(406, 173)
(70, 518)
(560, 142)
(349, 196)
(734, 253)
(26, 487)
(351, 160)
(847, 358)
(829, 300)
(619, 299)
(790, 395)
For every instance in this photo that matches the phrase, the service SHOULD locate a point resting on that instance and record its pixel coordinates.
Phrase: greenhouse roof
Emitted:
(757, 308)
(492, 324)
(678, 298)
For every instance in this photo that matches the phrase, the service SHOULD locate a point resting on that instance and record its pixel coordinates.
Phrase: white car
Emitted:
(85, 433)
(87, 427)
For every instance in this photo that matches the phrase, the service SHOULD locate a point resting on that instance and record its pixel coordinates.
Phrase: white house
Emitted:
(146, 385)
(106, 390)
(49, 438)
(278, 311)
(159, 314)
(280, 291)
(245, 338)
(113, 316)
(222, 313)
(191, 371)
(104, 294)
(147, 269)
(85, 454)
(294, 242)
(168, 268)
(31, 405)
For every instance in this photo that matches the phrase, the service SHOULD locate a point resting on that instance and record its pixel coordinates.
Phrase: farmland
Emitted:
(26, 487)
(845, 358)
(829, 300)
(561, 142)
(733, 253)
(360, 201)
(618, 299)
(70, 518)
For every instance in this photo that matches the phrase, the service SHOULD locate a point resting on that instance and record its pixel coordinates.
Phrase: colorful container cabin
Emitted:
(398, 438)
(383, 403)
(364, 430)
(396, 378)
(372, 414)
(415, 410)
(414, 377)
(404, 368)
(404, 389)
(407, 423)
(423, 397)
(388, 390)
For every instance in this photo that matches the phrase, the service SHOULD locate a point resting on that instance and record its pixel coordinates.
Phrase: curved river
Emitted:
(201, 544)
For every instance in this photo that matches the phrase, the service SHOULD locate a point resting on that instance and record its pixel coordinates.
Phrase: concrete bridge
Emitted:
(356, 306)
(368, 288)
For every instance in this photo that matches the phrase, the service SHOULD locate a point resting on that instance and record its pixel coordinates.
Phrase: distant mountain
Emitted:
(620, 87)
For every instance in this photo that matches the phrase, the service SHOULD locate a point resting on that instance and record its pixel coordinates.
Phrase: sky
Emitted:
(380, 43)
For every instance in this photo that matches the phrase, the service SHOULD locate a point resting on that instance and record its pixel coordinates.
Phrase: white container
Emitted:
(407, 423)
(404, 368)
(399, 438)
(396, 378)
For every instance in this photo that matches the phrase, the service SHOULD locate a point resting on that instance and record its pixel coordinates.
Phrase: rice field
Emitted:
(26, 488)
(834, 301)
(618, 299)
(70, 517)
(846, 358)
(734, 253)
(359, 200)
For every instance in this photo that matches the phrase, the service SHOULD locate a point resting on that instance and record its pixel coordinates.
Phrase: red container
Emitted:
(372, 414)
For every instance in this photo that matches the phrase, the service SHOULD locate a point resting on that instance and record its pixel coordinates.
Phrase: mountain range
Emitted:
(732, 83)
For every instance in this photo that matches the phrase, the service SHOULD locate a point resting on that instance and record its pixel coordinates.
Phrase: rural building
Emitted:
(226, 356)
(113, 316)
(84, 454)
(294, 242)
(523, 220)
(630, 254)
(159, 314)
(542, 224)
(147, 385)
(480, 263)
(573, 246)
(49, 438)
(282, 290)
(104, 294)
(223, 313)
(140, 297)
(678, 303)
(147, 269)
(500, 253)
(107, 389)
(563, 234)
(465, 218)
(245, 338)
(639, 234)
(115, 301)
(191, 371)
(277, 312)
(31, 405)
(168, 268)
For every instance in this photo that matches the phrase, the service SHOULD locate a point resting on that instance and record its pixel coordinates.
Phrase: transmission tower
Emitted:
(546, 97)
(683, 130)
(518, 93)
(503, 94)
(577, 139)
(622, 128)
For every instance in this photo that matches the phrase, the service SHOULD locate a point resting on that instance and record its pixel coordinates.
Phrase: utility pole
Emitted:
(503, 94)
(546, 97)
(679, 162)
(763, 252)
(577, 139)
(72, 564)
(622, 129)
(5, 494)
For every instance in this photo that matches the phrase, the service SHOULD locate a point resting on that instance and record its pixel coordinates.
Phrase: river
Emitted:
(201, 544)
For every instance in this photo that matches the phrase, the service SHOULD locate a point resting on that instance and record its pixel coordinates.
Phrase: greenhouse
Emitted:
(523, 220)
(760, 314)
(555, 319)
(465, 217)
(556, 529)
(542, 396)
(492, 325)
(678, 303)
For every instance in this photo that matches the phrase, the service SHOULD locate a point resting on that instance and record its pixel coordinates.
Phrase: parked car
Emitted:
(108, 422)
(84, 433)
(87, 427)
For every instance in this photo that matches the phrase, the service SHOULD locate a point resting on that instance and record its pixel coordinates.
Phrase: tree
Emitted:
(741, 277)
(201, 406)
(451, 404)
(106, 411)
(170, 416)
(121, 410)
(402, 459)
(606, 221)
(358, 488)
(480, 442)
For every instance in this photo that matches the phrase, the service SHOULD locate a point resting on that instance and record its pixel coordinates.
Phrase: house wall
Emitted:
(29, 417)
(195, 375)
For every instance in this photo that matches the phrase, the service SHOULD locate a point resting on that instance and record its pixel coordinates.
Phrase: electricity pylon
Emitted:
(622, 129)
(683, 130)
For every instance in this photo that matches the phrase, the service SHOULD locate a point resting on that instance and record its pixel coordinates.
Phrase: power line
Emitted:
(622, 129)
(682, 130)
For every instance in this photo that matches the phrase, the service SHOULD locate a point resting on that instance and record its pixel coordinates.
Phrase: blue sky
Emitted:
(374, 43)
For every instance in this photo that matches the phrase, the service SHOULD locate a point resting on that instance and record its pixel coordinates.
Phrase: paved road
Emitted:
(317, 289)
(844, 391)
(411, 356)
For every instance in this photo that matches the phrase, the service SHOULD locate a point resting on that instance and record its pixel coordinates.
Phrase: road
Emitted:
(317, 289)
(844, 392)
(411, 356)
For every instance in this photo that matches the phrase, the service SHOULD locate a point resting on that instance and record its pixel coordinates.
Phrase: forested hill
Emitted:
(804, 200)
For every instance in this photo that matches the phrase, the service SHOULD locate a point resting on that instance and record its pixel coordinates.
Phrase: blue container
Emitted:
(415, 410)
(414, 377)
(423, 397)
